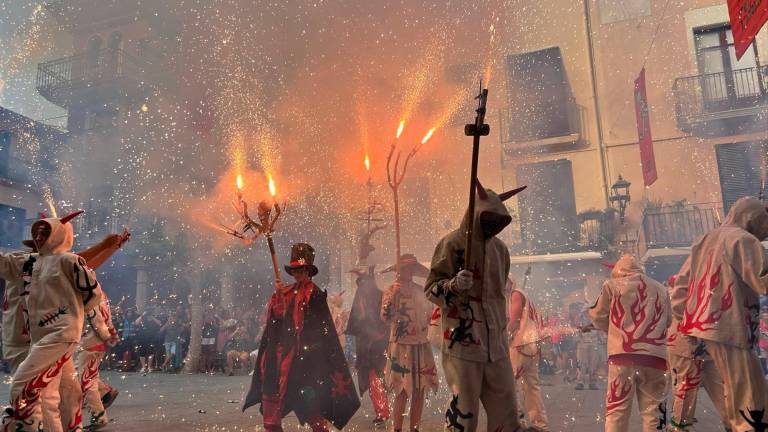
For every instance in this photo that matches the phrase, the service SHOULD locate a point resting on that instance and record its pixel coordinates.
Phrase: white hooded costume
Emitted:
(635, 312)
(716, 300)
(61, 289)
(100, 335)
(525, 354)
(13, 268)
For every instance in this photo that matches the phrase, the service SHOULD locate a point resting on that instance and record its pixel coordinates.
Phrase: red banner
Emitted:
(747, 17)
(643, 119)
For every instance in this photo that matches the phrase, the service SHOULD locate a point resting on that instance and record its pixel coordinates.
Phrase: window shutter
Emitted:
(739, 168)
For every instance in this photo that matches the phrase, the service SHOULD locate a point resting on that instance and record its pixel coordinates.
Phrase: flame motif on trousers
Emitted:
(703, 291)
(638, 314)
(691, 381)
(24, 404)
(618, 393)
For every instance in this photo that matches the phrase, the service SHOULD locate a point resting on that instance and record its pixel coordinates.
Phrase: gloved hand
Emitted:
(462, 282)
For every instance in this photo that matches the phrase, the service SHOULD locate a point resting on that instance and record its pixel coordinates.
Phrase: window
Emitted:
(739, 167)
(539, 95)
(5, 151)
(726, 83)
(548, 220)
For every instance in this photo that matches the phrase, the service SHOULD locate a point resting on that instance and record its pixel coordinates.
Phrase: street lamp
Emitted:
(620, 194)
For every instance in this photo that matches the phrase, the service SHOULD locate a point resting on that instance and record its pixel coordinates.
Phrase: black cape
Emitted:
(319, 381)
(369, 330)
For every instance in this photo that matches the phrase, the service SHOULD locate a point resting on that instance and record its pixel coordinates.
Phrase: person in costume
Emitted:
(475, 351)
(100, 335)
(339, 314)
(715, 299)
(62, 288)
(371, 341)
(410, 372)
(587, 349)
(13, 268)
(525, 334)
(691, 367)
(301, 366)
(635, 312)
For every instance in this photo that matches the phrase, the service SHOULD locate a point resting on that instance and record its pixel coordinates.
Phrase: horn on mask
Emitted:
(510, 193)
(70, 216)
(481, 191)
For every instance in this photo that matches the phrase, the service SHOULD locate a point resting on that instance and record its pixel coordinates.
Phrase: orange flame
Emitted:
(239, 181)
(272, 188)
(367, 163)
(428, 136)
(400, 129)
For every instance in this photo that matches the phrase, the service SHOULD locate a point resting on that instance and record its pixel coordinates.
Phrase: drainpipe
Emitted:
(598, 117)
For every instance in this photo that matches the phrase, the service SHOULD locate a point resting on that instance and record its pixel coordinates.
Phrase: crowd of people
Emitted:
(157, 340)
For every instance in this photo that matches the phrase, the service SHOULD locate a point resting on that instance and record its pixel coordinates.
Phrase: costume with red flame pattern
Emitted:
(691, 367)
(635, 312)
(62, 288)
(525, 332)
(716, 301)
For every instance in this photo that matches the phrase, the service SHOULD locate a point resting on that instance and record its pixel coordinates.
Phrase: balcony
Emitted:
(518, 136)
(676, 226)
(722, 103)
(105, 74)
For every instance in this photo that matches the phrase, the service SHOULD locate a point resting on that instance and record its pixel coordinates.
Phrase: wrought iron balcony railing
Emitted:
(677, 226)
(57, 79)
(722, 95)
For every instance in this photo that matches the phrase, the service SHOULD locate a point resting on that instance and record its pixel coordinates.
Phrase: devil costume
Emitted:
(715, 299)
(474, 318)
(100, 335)
(370, 333)
(301, 366)
(62, 289)
(14, 268)
(525, 332)
(635, 312)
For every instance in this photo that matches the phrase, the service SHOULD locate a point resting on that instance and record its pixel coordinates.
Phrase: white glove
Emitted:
(462, 282)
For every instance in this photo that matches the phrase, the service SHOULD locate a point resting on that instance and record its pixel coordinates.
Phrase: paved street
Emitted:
(164, 403)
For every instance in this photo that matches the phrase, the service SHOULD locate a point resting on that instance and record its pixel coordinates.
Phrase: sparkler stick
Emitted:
(248, 230)
(395, 177)
(475, 130)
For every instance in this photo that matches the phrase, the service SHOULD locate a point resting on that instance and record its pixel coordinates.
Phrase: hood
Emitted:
(61, 238)
(626, 266)
(491, 216)
(749, 214)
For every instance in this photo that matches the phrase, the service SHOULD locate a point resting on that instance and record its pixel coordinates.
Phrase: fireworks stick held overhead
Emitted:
(476, 130)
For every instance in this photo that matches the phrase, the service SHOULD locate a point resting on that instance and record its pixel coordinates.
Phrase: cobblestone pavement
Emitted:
(169, 403)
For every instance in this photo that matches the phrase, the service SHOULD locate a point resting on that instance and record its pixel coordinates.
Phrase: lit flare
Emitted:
(239, 182)
(272, 188)
(400, 129)
(367, 163)
(428, 136)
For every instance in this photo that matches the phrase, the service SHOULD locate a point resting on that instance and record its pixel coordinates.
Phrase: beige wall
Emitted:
(686, 164)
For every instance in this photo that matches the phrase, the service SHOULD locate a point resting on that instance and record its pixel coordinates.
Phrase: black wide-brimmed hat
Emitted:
(409, 260)
(302, 256)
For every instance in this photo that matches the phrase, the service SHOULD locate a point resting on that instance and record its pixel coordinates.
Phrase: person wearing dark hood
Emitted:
(410, 372)
(62, 289)
(473, 313)
(370, 333)
(301, 366)
(715, 299)
(635, 312)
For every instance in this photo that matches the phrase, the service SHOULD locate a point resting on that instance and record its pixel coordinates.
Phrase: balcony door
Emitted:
(726, 83)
